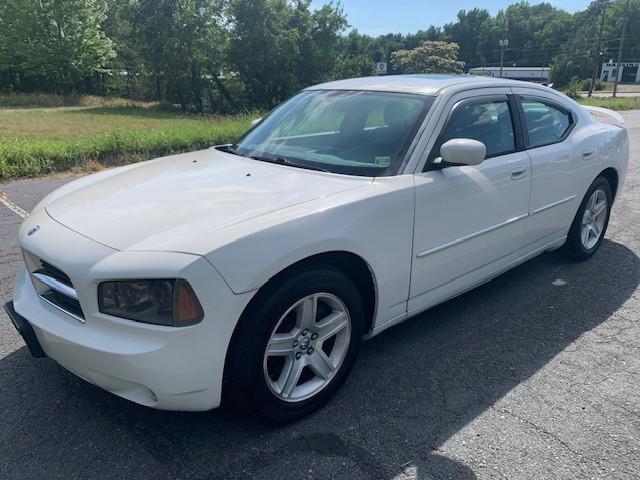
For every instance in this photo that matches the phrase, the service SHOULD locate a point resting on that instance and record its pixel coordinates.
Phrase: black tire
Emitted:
(245, 383)
(574, 247)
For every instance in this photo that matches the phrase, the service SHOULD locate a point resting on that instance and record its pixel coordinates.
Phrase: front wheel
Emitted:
(296, 344)
(591, 221)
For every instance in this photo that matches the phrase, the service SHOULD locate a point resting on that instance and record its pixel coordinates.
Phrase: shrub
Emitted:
(599, 85)
(574, 89)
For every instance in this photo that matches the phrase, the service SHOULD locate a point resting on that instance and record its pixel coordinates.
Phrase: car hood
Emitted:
(161, 204)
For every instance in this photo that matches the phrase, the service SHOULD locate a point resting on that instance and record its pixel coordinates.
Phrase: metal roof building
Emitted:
(629, 72)
(530, 74)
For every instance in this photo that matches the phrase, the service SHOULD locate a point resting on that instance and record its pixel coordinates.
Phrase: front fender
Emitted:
(375, 223)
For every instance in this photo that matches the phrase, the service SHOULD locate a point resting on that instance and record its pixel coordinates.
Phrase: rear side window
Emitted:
(487, 121)
(545, 123)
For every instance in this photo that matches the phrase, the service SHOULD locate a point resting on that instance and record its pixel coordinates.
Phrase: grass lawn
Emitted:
(34, 100)
(618, 103)
(41, 141)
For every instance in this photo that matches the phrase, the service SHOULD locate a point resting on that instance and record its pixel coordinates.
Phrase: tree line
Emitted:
(228, 55)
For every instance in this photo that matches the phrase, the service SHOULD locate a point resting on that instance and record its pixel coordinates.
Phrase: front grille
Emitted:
(54, 286)
(50, 270)
(65, 303)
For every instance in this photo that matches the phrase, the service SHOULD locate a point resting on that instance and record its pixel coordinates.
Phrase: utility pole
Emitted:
(624, 30)
(596, 56)
(503, 43)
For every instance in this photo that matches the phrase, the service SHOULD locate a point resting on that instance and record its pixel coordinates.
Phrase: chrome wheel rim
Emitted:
(594, 219)
(307, 347)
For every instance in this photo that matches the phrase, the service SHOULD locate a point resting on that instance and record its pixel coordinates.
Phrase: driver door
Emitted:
(469, 220)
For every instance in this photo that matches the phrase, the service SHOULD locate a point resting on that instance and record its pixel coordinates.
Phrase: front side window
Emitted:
(349, 132)
(487, 121)
(544, 122)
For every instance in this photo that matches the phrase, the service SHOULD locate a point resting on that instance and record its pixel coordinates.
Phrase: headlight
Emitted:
(161, 302)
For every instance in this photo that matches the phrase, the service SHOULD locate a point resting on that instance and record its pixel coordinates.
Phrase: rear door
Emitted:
(555, 161)
(469, 219)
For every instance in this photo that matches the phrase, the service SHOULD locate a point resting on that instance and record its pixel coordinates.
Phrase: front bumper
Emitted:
(161, 367)
(26, 332)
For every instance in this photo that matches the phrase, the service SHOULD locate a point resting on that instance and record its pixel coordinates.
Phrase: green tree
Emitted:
(122, 77)
(431, 57)
(467, 31)
(53, 44)
(354, 59)
(263, 49)
(182, 47)
(280, 46)
(318, 40)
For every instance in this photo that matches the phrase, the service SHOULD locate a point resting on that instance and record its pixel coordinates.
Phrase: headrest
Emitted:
(396, 114)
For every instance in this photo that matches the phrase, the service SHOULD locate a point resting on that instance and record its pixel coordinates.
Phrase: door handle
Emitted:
(518, 172)
(587, 153)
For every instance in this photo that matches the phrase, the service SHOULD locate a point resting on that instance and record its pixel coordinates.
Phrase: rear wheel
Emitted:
(591, 221)
(296, 344)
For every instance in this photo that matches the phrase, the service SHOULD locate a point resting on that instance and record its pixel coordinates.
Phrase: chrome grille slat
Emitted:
(54, 286)
(51, 271)
(64, 304)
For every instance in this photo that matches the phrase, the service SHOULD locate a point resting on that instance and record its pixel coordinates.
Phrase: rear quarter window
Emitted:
(545, 123)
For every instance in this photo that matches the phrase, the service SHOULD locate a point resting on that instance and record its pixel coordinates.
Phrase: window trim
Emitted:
(558, 106)
(487, 98)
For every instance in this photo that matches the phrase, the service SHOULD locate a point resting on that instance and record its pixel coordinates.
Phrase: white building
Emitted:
(531, 74)
(629, 72)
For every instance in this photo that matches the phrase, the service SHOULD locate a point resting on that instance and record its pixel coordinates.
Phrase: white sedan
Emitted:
(252, 272)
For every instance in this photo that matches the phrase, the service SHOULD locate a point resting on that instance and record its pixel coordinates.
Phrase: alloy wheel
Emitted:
(594, 219)
(307, 347)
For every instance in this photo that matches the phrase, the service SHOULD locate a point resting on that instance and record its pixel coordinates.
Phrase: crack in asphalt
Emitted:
(540, 429)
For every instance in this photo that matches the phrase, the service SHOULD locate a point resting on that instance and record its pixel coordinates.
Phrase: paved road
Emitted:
(534, 375)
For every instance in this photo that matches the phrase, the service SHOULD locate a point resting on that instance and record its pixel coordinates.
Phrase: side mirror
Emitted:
(256, 121)
(463, 151)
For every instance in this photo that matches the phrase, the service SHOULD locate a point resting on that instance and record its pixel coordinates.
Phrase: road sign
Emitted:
(381, 68)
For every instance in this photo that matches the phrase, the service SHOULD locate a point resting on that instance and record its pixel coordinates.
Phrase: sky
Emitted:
(376, 17)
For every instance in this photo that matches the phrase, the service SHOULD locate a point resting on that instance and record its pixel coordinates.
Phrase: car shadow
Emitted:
(412, 389)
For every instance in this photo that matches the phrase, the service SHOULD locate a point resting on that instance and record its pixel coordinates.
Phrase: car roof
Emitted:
(422, 84)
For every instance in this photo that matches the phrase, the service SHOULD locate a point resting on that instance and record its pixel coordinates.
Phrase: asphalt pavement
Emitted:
(533, 375)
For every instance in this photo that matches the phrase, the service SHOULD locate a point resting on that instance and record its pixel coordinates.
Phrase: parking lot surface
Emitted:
(533, 375)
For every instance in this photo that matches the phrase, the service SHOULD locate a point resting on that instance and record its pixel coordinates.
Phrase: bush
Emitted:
(574, 89)
(599, 85)
(565, 68)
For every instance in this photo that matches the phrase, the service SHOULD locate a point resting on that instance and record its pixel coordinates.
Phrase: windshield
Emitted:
(349, 132)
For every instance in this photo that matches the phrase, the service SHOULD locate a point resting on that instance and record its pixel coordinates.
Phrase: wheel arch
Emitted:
(349, 263)
(611, 174)
(353, 265)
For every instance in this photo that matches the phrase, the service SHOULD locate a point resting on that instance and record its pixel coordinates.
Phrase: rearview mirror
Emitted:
(463, 151)
(256, 121)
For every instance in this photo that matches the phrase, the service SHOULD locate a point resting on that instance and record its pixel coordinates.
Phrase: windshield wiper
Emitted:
(285, 161)
(230, 149)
